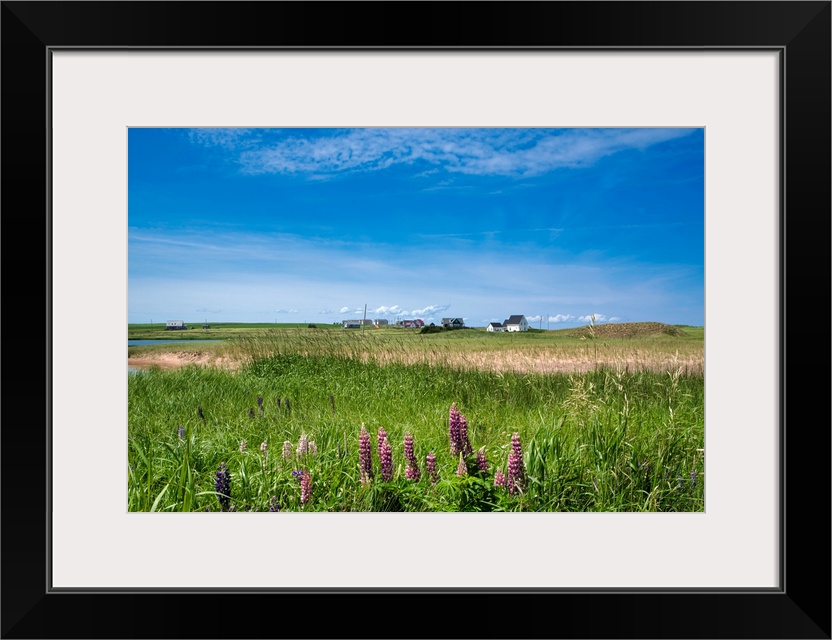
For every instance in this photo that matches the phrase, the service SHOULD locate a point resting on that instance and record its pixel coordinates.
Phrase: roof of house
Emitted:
(444, 320)
(495, 324)
(513, 320)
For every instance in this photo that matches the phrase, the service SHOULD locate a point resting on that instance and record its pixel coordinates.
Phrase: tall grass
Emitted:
(611, 439)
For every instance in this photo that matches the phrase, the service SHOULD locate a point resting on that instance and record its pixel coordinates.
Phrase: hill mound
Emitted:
(629, 330)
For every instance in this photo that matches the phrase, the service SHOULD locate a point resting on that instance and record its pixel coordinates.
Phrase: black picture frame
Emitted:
(799, 31)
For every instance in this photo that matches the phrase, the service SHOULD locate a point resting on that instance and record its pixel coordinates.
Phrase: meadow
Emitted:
(602, 418)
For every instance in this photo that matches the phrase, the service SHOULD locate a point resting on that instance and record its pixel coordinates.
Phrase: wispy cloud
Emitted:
(486, 152)
(286, 311)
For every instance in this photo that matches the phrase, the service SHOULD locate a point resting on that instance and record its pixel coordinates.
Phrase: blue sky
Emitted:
(310, 225)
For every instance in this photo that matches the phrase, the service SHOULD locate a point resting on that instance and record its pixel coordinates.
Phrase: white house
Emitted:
(495, 326)
(453, 323)
(175, 325)
(516, 323)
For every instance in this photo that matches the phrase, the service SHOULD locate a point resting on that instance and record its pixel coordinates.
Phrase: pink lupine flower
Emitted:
(430, 467)
(464, 444)
(303, 445)
(482, 463)
(461, 468)
(365, 456)
(516, 470)
(305, 487)
(499, 478)
(385, 454)
(313, 448)
(411, 471)
(458, 432)
(453, 430)
(263, 446)
(382, 434)
(287, 449)
(242, 445)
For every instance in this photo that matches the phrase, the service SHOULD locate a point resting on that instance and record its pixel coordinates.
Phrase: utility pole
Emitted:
(364, 321)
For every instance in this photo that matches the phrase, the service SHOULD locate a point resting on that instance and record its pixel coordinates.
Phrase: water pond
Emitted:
(142, 343)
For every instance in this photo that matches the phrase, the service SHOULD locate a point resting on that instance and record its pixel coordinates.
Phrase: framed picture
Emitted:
(754, 76)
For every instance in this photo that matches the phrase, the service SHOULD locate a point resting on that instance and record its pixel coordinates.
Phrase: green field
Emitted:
(605, 420)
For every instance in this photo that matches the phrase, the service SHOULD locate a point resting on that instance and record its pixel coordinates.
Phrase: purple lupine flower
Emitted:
(242, 445)
(305, 487)
(516, 470)
(287, 449)
(260, 401)
(382, 434)
(385, 454)
(181, 432)
(464, 444)
(693, 477)
(303, 445)
(411, 471)
(453, 430)
(223, 486)
(430, 467)
(297, 474)
(461, 468)
(499, 478)
(482, 462)
(365, 456)
(274, 505)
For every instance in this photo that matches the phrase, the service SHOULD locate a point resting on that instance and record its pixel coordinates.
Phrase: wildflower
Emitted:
(430, 467)
(499, 478)
(297, 474)
(181, 432)
(303, 445)
(313, 448)
(223, 486)
(260, 405)
(464, 444)
(411, 471)
(385, 454)
(461, 468)
(458, 432)
(287, 449)
(251, 413)
(305, 487)
(482, 463)
(382, 434)
(453, 430)
(693, 477)
(274, 505)
(365, 456)
(516, 471)
(263, 447)
(242, 445)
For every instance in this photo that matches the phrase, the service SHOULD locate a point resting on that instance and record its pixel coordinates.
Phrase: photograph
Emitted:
(422, 288)
(416, 319)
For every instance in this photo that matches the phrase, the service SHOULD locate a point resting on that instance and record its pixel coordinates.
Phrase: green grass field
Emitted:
(620, 429)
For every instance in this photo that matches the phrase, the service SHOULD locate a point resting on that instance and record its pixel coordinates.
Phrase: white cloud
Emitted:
(505, 152)
(562, 317)
(343, 310)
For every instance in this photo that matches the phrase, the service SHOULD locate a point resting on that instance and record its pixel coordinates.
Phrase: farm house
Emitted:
(175, 325)
(516, 323)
